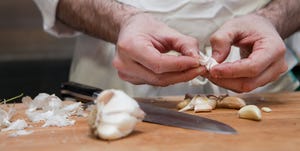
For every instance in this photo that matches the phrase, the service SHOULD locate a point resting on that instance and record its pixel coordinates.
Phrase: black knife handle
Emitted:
(78, 91)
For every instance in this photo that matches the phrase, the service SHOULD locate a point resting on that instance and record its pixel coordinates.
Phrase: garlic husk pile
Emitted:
(200, 104)
(115, 115)
(16, 125)
(50, 109)
(206, 61)
(6, 116)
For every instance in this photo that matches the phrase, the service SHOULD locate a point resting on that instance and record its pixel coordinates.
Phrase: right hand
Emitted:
(140, 57)
(262, 51)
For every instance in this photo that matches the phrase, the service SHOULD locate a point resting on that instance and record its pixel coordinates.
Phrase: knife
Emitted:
(154, 114)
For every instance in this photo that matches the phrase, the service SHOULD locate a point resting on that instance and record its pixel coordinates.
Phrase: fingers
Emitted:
(262, 56)
(221, 42)
(248, 84)
(145, 53)
(137, 74)
(187, 46)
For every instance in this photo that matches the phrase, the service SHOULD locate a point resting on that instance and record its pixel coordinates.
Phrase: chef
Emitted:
(123, 44)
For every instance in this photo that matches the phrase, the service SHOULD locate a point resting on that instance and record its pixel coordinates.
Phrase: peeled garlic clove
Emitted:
(250, 112)
(231, 102)
(115, 115)
(266, 109)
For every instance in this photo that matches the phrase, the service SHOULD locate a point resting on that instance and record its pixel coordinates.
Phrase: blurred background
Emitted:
(31, 61)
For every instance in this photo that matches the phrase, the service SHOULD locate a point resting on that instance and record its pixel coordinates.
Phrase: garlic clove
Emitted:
(231, 102)
(250, 112)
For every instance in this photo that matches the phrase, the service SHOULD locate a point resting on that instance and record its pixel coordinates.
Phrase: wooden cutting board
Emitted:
(278, 131)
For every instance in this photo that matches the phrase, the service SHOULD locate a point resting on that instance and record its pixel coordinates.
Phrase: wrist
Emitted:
(274, 17)
(98, 18)
(116, 16)
(284, 15)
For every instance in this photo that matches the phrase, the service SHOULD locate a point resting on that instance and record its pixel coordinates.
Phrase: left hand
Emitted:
(262, 51)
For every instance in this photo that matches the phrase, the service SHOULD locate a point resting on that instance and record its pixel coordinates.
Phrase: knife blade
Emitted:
(154, 114)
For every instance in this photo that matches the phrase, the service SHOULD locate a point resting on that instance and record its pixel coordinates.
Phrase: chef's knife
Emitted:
(154, 114)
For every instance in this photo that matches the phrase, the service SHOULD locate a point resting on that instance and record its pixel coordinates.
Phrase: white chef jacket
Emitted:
(92, 61)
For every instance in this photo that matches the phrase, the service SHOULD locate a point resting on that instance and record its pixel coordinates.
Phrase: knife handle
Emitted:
(79, 91)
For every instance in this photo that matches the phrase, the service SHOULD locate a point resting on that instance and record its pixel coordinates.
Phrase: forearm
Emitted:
(284, 15)
(98, 18)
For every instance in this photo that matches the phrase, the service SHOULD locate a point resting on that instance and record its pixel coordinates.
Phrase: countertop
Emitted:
(277, 131)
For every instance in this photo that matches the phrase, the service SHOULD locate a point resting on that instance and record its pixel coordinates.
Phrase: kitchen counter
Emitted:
(277, 131)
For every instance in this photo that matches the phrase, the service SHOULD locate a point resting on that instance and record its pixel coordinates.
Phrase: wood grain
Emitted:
(278, 131)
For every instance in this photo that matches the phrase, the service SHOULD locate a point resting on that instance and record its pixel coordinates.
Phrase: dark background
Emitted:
(31, 61)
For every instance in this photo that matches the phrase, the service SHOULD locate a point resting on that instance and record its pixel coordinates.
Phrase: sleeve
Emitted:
(50, 24)
(292, 42)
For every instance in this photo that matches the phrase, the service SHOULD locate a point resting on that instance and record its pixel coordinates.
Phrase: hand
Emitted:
(262, 52)
(140, 57)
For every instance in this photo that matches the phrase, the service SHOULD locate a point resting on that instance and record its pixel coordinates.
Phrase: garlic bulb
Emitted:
(115, 115)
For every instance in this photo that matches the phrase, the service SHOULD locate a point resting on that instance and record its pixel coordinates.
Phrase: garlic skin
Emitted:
(114, 115)
(183, 103)
(250, 112)
(200, 104)
(266, 109)
(206, 61)
(51, 110)
(16, 125)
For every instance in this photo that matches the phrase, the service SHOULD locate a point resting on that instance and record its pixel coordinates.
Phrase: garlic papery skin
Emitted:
(51, 110)
(206, 61)
(16, 125)
(266, 109)
(200, 104)
(115, 115)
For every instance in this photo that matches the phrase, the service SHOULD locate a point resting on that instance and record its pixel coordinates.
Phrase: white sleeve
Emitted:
(50, 24)
(292, 42)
